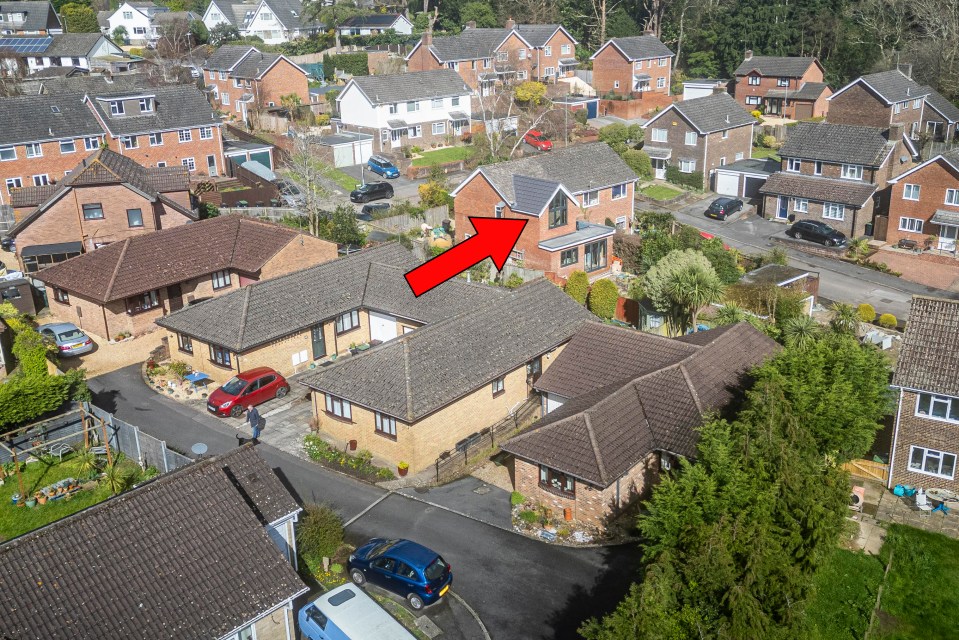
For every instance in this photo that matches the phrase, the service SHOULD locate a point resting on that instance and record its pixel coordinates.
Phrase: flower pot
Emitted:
(402, 471)
(567, 514)
(31, 502)
(42, 499)
(352, 445)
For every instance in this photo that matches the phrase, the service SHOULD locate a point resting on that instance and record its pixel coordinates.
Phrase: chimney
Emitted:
(510, 23)
(428, 37)
(471, 24)
(905, 69)
(896, 131)
(749, 54)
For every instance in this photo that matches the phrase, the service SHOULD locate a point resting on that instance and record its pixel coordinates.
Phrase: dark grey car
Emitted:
(817, 231)
(372, 191)
(722, 208)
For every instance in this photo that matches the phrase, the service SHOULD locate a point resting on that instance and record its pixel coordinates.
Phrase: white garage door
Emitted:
(382, 326)
(727, 184)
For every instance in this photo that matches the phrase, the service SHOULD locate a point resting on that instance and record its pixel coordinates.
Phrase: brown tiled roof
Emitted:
(184, 556)
(154, 260)
(601, 435)
(31, 196)
(929, 356)
(848, 192)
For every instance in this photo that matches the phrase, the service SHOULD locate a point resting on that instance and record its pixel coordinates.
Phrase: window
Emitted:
(156, 139)
(146, 105)
(659, 135)
(522, 75)
(14, 183)
(725, 133)
(455, 101)
(8, 153)
(752, 100)
(392, 108)
(487, 63)
(565, 50)
(833, 211)
(569, 257)
(498, 387)
(347, 321)
(61, 296)
(917, 103)
(385, 425)
(800, 205)
(161, 164)
(619, 191)
(910, 192)
(220, 279)
(817, 168)
(116, 108)
(556, 481)
(128, 15)
(502, 56)
(852, 171)
(952, 196)
(339, 407)
(41, 179)
(412, 105)
(185, 343)
(594, 255)
(130, 142)
(415, 132)
(189, 163)
(439, 128)
(67, 146)
(940, 407)
(185, 135)
(225, 98)
(34, 150)
(206, 133)
(455, 66)
(93, 211)
(436, 103)
(222, 75)
(91, 144)
(739, 155)
(691, 138)
(498, 210)
(616, 84)
(663, 62)
(932, 462)
(220, 355)
(548, 51)
(722, 161)
(557, 211)
(549, 71)
(591, 198)
(793, 164)
(910, 224)
(237, 83)
(898, 107)
(134, 217)
(144, 302)
(754, 80)
(687, 166)
(265, 16)
(660, 83)
(782, 82)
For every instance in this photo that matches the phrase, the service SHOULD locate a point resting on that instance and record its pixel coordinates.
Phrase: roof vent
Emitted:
(727, 118)
(908, 90)
(50, 129)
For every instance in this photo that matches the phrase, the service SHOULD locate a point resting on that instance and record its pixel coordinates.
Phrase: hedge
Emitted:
(577, 286)
(603, 297)
(356, 64)
(693, 180)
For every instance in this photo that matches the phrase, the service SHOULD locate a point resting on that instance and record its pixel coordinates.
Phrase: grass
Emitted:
(763, 152)
(846, 589)
(660, 192)
(449, 154)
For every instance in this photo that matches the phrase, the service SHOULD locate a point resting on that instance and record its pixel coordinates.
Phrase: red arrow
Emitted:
(495, 238)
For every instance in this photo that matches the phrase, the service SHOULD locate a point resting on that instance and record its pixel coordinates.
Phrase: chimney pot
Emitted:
(749, 54)
(510, 23)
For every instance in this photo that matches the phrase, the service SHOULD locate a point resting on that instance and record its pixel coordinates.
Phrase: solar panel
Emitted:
(26, 45)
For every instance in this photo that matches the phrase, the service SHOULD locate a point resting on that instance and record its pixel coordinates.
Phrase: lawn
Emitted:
(449, 154)
(345, 180)
(763, 152)
(846, 589)
(660, 192)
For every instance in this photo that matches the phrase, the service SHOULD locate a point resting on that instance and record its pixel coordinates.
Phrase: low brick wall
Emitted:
(414, 173)
(836, 253)
(638, 107)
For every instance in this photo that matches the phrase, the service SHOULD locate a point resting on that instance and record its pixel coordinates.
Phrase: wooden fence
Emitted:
(869, 470)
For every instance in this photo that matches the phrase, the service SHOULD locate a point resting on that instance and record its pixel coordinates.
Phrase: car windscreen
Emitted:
(825, 228)
(436, 570)
(234, 386)
(381, 548)
(70, 334)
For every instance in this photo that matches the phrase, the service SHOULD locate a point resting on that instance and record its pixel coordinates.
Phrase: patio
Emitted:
(882, 506)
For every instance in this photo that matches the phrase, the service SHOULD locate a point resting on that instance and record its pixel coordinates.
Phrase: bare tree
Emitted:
(886, 23)
(312, 175)
(500, 111)
(599, 16)
(12, 71)
(533, 11)
(936, 47)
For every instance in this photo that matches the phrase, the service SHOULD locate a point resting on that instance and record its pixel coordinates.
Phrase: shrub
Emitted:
(888, 321)
(415, 149)
(529, 517)
(516, 498)
(336, 568)
(603, 297)
(323, 120)
(581, 116)
(639, 162)
(178, 368)
(692, 180)
(577, 286)
(756, 113)
(513, 281)
(866, 312)
(320, 532)
(768, 141)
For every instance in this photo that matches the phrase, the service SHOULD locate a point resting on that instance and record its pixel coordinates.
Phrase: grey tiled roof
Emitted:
(929, 355)
(781, 66)
(601, 434)
(32, 119)
(942, 104)
(642, 47)
(532, 194)
(37, 16)
(818, 189)
(944, 216)
(444, 361)
(226, 10)
(227, 56)
(762, 166)
(374, 21)
(186, 555)
(177, 107)
(578, 168)
(585, 232)
(471, 44)
(715, 112)
(810, 91)
(894, 86)
(254, 64)
(537, 35)
(83, 84)
(73, 44)
(414, 85)
(837, 143)
(289, 13)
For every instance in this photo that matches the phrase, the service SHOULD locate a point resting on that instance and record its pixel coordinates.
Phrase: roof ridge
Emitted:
(409, 381)
(692, 389)
(246, 307)
(116, 269)
(595, 447)
(236, 241)
(366, 282)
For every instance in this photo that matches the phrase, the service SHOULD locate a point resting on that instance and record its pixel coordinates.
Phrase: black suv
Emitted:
(817, 232)
(371, 191)
(722, 208)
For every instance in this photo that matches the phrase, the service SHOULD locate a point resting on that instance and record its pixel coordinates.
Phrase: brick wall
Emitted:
(541, 61)
(858, 105)
(610, 67)
(423, 60)
(302, 252)
(283, 79)
(676, 129)
(276, 626)
(738, 140)
(52, 163)
(173, 152)
(853, 223)
(926, 433)
(933, 180)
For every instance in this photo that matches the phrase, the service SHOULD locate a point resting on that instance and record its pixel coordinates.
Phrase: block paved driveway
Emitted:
(521, 588)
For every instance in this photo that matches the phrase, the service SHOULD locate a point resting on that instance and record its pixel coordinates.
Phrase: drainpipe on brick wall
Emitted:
(895, 441)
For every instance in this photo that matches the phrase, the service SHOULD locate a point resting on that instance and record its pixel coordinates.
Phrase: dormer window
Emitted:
(116, 108)
(146, 105)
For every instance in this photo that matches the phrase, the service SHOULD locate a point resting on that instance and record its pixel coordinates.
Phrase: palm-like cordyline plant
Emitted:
(845, 318)
(730, 314)
(693, 289)
(801, 331)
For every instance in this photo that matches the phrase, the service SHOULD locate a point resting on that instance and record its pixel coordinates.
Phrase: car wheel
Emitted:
(829, 243)
(415, 601)
(282, 391)
(236, 411)
(357, 577)
(797, 236)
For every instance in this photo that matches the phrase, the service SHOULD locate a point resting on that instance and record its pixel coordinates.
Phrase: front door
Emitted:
(947, 237)
(782, 211)
(175, 294)
(774, 106)
(660, 166)
(319, 342)
(534, 369)
(211, 165)
(396, 137)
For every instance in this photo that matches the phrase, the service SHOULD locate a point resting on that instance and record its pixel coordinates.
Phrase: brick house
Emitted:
(837, 173)
(245, 81)
(106, 198)
(880, 100)
(29, 19)
(924, 203)
(789, 87)
(699, 135)
(417, 108)
(461, 376)
(939, 117)
(175, 540)
(127, 285)
(350, 301)
(632, 66)
(926, 436)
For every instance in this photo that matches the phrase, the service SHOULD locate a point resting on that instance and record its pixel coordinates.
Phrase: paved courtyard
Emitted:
(931, 274)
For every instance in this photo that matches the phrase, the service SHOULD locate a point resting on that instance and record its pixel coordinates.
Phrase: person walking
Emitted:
(253, 417)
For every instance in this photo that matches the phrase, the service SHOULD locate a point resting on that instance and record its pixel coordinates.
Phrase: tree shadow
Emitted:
(106, 399)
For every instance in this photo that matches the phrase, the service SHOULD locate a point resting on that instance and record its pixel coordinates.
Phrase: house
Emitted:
(73, 50)
(125, 286)
(572, 197)
(939, 117)
(273, 21)
(924, 204)
(784, 86)
(175, 541)
(880, 100)
(137, 19)
(634, 65)
(925, 443)
(486, 58)
(620, 406)
(376, 23)
(461, 375)
(405, 109)
(244, 81)
(835, 172)
(29, 19)
(699, 135)
(315, 315)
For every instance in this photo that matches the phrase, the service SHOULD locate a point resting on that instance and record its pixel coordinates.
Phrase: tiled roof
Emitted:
(929, 355)
(532, 194)
(444, 361)
(818, 189)
(73, 44)
(601, 434)
(810, 91)
(840, 143)
(37, 16)
(226, 10)
(32, 196)
(471, 44)
(186, 555)
(289, 13)
(155, 260)
(374, 21)
(33, 119)
(255, 64)
(894, 86)
(642, 47)
(414, 85)
(715, 112)
(89, 84)
(177, 107)
(781, 66)
(942, 104)
(537, 35)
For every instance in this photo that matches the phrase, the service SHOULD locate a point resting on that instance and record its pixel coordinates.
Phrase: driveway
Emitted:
(403, 187)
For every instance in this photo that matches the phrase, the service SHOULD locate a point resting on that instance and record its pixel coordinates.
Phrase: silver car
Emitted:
(68, 338)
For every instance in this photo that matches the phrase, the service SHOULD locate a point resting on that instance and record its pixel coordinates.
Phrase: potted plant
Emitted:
(41, 497)
(31, 502)
(402, 469)
(353, 349)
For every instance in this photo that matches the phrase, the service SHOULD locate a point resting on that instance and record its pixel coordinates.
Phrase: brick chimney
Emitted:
(427, 37)
(471, 24)
(510, 23)
(749, 54)
(896, 131)
(905, 68)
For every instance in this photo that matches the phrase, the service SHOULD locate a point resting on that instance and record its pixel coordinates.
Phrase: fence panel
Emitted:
(404, 222)
(869, 470)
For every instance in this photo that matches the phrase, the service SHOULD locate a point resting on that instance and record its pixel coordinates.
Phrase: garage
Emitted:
(743, 178)
(753, 183)
(727, 183)
(382, 326)
(349, 148)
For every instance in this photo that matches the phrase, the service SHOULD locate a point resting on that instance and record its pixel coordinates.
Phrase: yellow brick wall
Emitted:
(275, 625)
(302, 252)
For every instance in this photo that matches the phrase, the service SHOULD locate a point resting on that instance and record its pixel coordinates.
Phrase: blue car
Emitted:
(406, 568)
(382, 166)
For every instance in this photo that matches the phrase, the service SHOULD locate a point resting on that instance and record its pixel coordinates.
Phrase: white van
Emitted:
(346, 613)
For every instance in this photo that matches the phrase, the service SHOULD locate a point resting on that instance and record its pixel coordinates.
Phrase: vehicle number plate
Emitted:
(444, 590)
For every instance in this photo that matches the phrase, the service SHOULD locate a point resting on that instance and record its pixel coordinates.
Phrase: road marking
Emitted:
(367, 510)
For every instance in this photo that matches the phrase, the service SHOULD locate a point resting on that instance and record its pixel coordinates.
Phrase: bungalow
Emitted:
(632, 66)
(784, 86)
(881, 100)
(375, 24)
(620, 406)
(456, 377)
(80, 50)
(924, 204)
(175, 541)
(127, 285)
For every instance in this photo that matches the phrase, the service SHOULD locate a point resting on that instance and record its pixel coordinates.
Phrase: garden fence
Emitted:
(405, 222)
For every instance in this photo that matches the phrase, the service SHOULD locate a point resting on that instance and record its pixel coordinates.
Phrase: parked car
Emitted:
(7, 243)
(67, 336)
(404, 567)
(371, 191)
(373, 210)
(291, 194)
(252, 387)
(722, 208)
(817, 231)
(347, 612)
(537, 140)
(382, 166)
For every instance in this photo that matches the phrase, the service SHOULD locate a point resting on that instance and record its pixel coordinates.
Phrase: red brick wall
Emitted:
(282, 79)
(52, 163)
(933, 180)
(858, 105)
(846, 225)
(922, 432)
(611, 66)
(676, 129)
(742, 88)
(556, 44)
(423, 60)
(172, 151)
(738, 140)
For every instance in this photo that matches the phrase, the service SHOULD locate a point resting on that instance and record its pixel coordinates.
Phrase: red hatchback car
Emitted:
(537, 140)
(255, 386)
